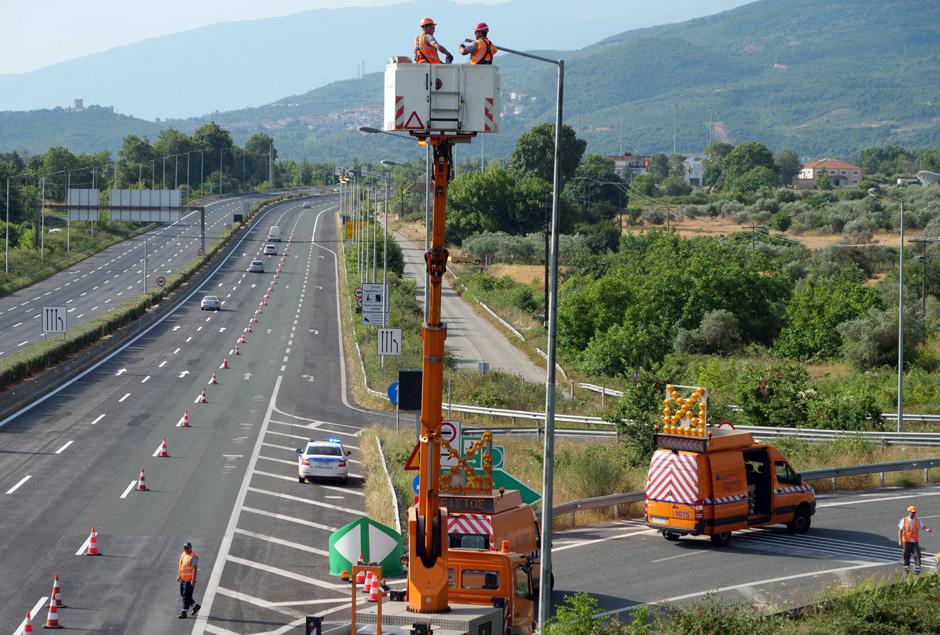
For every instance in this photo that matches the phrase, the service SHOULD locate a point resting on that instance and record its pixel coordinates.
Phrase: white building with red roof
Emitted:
(841, 174)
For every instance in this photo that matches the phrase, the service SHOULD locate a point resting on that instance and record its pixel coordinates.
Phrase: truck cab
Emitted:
(499, 578)
(721, 482)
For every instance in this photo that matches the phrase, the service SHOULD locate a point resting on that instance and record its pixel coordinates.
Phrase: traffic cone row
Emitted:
(213, 380)
(202, 396)
(224, 365)
(52, 620)
(29, 626)
(185, 422)
(375, 592)
(56, 595)
(164, 452)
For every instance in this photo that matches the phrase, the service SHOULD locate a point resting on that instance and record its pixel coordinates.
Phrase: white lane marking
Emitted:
(283, 368)
(121, 400)
(97, 419)
(306, 501)
(216, 576)
(198, 328)
(283, 543)
(161, 364)
(291, 519)
(176, 351)
(70, 310)
(188, 339)
(284, 573)
(127, 490)
(79, 316)
(63, 448)
(22, 343)
(209, 318)
(585, 543)
(84, 547)
(736, 587)
(32, 614)
(18, 485)
(681, 555)
(244, 598)
(145, 379)
(878, 500)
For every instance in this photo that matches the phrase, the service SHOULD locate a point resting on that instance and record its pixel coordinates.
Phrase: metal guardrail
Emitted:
(833, 473)
(559, 432)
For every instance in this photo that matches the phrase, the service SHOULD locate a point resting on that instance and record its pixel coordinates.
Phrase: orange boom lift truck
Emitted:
(470, 591)
(710, 481)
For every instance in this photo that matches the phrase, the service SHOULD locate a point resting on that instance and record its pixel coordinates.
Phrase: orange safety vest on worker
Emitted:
(425, 53)
(910, 529)
(484, 52)
(187, 570)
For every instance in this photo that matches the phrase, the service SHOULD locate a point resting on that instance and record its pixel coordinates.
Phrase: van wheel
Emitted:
(721, 539)
(671, 536)
(800, 523)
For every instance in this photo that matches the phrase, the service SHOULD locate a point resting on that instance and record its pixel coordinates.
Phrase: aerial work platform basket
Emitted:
(441, 98)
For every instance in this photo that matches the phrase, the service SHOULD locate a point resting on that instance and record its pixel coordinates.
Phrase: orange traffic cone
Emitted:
(249, 328)
(185, 421)
(368, 582)
(141, 483)
(52, 620)
(213, 380)
(241, 338)
(202, 396)
(261, 309)
(92, 549)
(56, 595)
(360, 577)
(28, 628)
(164, 453)
(236, 349)
(224, 363)
(374, 590)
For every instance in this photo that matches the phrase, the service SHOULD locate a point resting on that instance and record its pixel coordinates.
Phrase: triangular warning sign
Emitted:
(414, 118)
(412, 463)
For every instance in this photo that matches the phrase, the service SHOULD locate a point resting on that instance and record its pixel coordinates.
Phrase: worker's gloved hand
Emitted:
(467, 40)
(448, 59)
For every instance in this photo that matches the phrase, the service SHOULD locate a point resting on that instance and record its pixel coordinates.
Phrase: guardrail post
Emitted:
(882, 479)
(833, 483)
(926, 475)
(513, 422)
(603, 393)
(616, 512)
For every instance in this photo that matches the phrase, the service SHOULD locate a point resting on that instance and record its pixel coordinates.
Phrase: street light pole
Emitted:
(6, 251)
(901, 325)
(545, 573)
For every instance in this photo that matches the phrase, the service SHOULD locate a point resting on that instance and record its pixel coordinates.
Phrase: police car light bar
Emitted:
(334, 440)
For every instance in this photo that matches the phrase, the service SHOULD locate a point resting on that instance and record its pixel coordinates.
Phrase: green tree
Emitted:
(774, 394)
(788, 166)
(637, 414)
(675, 186)
(677, 166)
(755, 179)
(659, 166)
(134, 161)
(534, 153)
(817, 307)
(823, 182)
(715, 155)
(216, 142)
(744, 158)
(644, 185)
(495, 201)
(258, 148)
(596, 182)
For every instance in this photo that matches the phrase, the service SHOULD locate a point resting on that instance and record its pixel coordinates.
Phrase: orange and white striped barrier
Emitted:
(164, 452)
(141, 482)
(52, 619)
(93, 544)
(56, 595)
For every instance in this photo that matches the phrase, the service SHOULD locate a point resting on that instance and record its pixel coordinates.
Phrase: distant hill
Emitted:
(249, 63)
(824, 77)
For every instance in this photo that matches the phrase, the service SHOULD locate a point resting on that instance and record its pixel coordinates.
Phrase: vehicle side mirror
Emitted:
(299, 451)
(348, 452)
(799, 479)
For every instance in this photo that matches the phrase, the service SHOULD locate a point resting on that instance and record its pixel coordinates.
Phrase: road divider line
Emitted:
(307, 501)
(121, 400)
(290, 519)
(283, 543)
(161, 364)
(145, 379)
(127, 490)
(296, 577)
(98, 418)
(20, 484)
(81, 550)
(63, 448)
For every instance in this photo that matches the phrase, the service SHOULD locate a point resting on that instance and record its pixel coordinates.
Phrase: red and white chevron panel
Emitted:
(673, 478)
(399, 112)
(488, 115)
(469, 524)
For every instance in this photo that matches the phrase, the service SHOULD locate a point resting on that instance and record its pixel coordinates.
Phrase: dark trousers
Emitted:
(912, 548)
(186, 592)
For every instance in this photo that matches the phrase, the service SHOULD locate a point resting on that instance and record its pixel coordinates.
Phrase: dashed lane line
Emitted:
(20, 484)
(290, 519)
(127, 490)
(32, 614)
(296, 577)
(126, 395)
(256, 601)
(64, 447)
(98, 418)
(306, 501)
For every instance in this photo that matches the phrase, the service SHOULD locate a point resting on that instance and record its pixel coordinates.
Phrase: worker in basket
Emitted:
(427, 48)
(480, 49)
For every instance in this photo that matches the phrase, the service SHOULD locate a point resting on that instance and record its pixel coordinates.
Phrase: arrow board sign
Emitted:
(54, 319)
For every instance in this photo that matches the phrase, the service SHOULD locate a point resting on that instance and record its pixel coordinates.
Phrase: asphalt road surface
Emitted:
(853, 537)
(108, 278)
(229, 485)
(470, 337)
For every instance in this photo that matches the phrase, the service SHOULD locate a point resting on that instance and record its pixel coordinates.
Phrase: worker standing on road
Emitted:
(426, 47)
(189, 567)
(480, 49)
(909, 538)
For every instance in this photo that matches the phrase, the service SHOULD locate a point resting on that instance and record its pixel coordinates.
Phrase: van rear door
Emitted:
(729, 492)
(672, 489)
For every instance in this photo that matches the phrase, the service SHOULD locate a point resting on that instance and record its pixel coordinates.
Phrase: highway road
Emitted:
(853, 537)
(470, 337)
(108, 278)
(229, 485)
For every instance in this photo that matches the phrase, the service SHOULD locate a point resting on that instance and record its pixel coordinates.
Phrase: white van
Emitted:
(274, 234)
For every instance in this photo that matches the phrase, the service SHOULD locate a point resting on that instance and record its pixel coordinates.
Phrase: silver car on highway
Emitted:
(323, 459)
(211, 303)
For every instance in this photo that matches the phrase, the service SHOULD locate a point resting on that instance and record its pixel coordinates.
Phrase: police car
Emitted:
(323, 459)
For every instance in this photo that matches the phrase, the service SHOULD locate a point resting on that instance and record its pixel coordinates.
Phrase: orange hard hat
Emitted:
(482, 26)
(427, 22)
(912, 508)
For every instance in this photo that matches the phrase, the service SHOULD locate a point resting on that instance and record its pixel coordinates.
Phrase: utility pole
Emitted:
(68, 214)
(675, 126)
(924, 258)
(220, 171)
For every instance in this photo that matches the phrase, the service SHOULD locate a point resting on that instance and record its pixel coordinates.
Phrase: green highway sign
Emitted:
(502, 478)
(372, 541)
(499, 454)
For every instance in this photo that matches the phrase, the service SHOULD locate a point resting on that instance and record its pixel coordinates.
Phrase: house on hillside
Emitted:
(840, 173)
(629, 165)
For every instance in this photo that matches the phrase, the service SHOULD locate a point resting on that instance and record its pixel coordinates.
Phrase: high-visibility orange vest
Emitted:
(187, 570)
(424, 52)
(484, 53)
(910, 531)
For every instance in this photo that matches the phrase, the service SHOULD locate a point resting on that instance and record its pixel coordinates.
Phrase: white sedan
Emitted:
(210, 303)
(323, 459)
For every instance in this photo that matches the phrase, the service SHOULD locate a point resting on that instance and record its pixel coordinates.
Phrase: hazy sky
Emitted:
(36, 33)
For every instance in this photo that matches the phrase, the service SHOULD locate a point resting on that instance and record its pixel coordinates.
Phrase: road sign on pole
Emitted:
(161, 281)
(389, 341)
(373, 541)
(54, 319)
(393, 393)
(373, 303)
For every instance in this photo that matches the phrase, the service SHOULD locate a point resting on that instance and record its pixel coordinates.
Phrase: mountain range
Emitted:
(824, 77)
